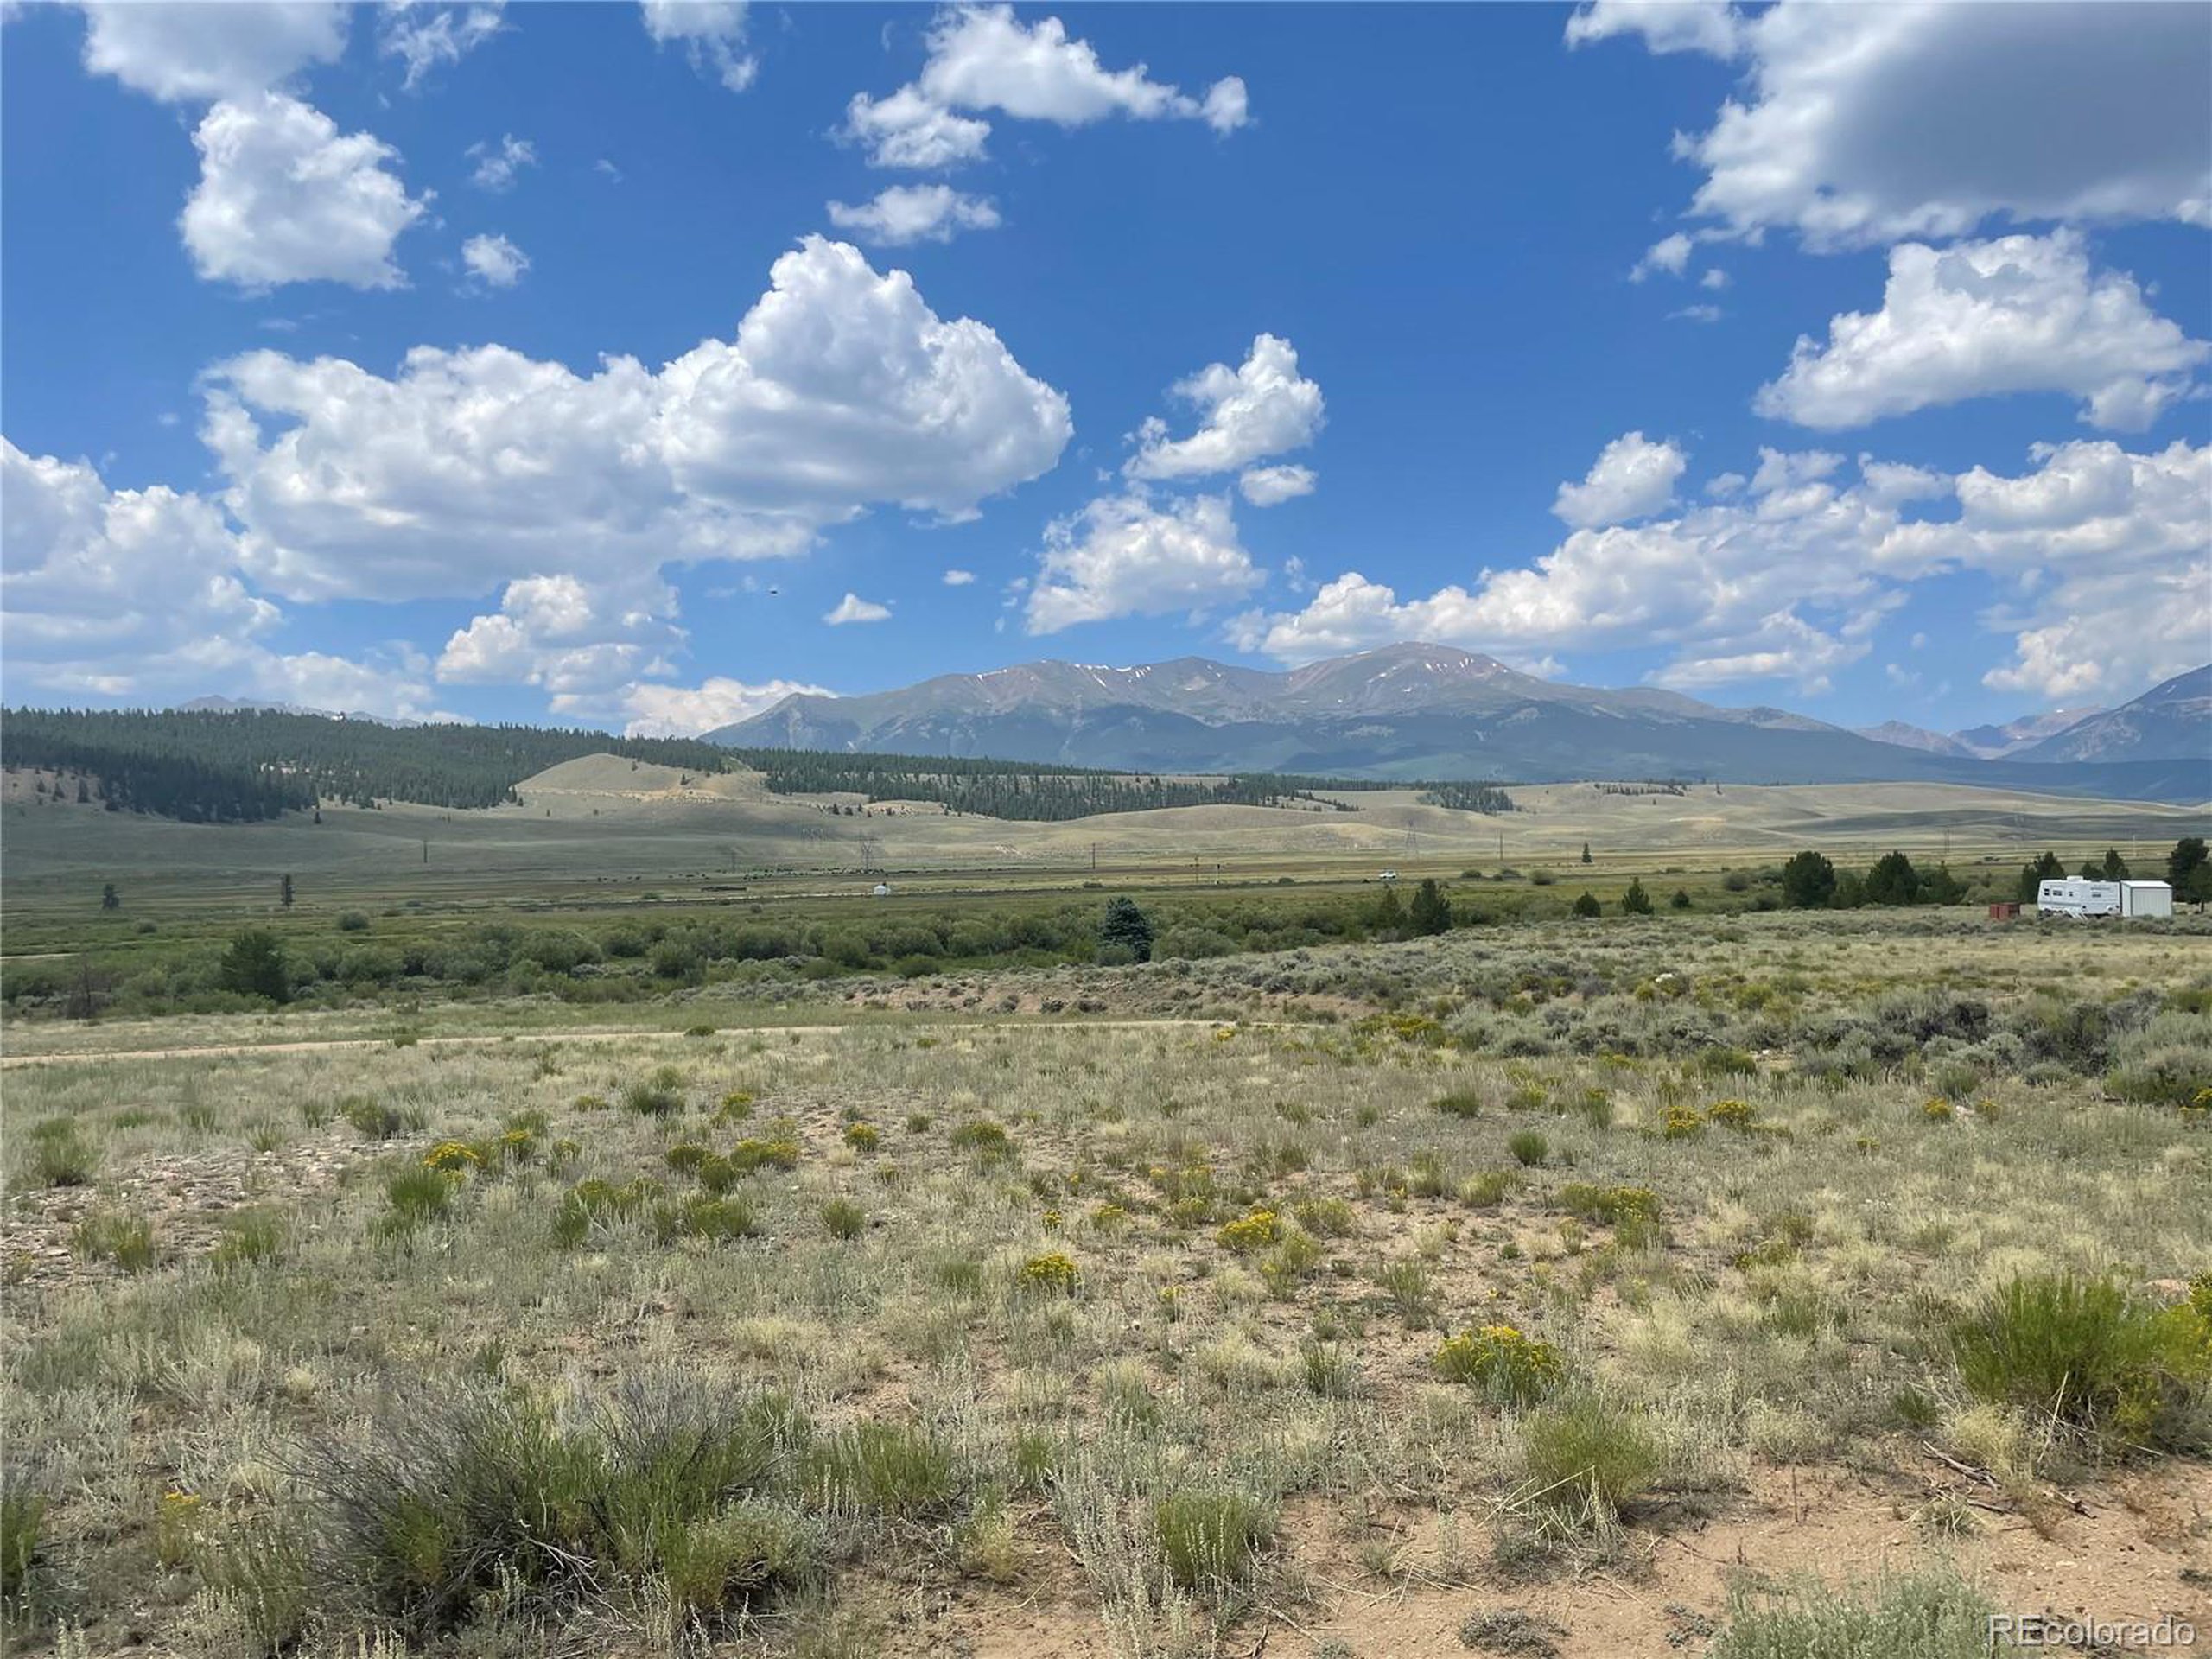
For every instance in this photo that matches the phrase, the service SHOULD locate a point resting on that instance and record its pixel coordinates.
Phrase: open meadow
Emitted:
(1700, 1283)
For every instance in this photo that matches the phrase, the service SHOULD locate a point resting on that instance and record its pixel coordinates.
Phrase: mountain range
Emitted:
(1424, 711)
(1980, 742)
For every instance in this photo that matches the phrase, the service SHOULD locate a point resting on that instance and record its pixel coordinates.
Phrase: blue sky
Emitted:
(582, 362)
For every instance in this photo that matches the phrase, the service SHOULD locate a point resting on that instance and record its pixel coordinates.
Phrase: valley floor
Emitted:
(1573, 1290)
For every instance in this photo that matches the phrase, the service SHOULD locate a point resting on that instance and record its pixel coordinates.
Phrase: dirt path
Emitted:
(223, 1051)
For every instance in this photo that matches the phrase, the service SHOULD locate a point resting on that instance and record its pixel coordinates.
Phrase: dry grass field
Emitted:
(1775, 1285)
(603, 824)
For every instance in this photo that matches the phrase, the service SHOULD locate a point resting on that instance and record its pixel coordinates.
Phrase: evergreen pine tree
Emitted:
(1126, 926)
(1431, 911)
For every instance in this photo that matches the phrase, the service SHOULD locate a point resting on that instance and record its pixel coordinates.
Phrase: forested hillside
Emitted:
(230, 767)
(1469, 798)
(1014, 789)
(238, 767)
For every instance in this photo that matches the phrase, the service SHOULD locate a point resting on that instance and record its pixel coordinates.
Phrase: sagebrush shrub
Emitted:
(1927, 1615)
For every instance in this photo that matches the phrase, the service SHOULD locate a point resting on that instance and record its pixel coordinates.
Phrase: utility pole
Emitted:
(426, 849)
(1094, 858)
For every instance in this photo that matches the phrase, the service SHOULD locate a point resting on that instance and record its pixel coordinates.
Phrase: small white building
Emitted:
(2086, 900)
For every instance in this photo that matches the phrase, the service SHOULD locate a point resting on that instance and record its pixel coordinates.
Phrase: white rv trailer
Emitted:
(2086, 900)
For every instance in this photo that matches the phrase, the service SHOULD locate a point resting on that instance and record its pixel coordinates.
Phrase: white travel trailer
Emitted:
(2085, 901)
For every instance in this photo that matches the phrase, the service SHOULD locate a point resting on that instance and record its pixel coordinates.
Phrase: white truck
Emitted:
(2085, 901)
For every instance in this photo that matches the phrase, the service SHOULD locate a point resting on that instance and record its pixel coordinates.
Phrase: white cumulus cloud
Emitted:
(712, 34)
(1670, 254)
(137, 595)
(2103, 559)
(1632, 478)
(853, 608)
(687, 711)
(842, 390)
(191, 52)
(1980, 319)
(1124, 555)
(1666, 26)
(2099, 563)
(983, 59)
(1270, 486)
(958, 578)
(915, 212)
(580, 641)
(498, 164)
(1863, 124)
(1260, 408)
(425, 37)
(904, 129)
(284, 198)
(494, 260)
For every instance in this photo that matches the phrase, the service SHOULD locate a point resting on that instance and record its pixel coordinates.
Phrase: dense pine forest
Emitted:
(227, 767)
(231, 766)
(1467, 797)
(1018, 789)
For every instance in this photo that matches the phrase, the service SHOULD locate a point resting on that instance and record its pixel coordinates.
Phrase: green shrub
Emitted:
(378, 1122)
(843, 1219)
(892, 1469)
(416, 1196)
(1249, 1232)
(1325, 1217)
(263, 1567)
(704, 1217)
(2087, 1354)
(1528, 1148)
(1331, 1371)
(1586, 1459)
(984, 1140)
(734, 1555)
(748, 1156)
(1611, 1205)
(1460, 1102)
(454, 1495)
(61, 1156)
(22, 1527)
(1926, 1615)
(1410, 1289)
(1208, 1538)
(1510, 1369)
(658, 1096)
(1486, 1188)
(125, 1240)
(250, 1236)
(1052, 1275)
(594, 1203)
